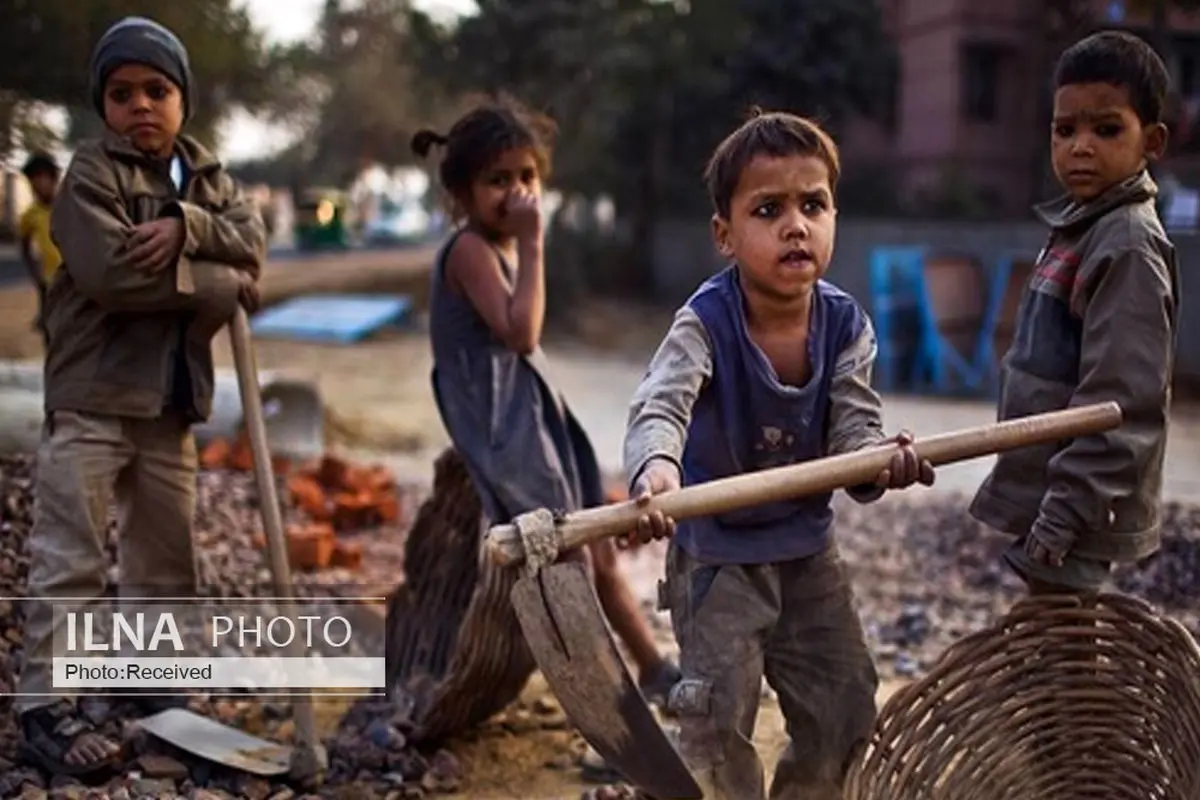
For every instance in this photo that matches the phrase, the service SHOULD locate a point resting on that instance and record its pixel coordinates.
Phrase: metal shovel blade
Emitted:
(566, 632)
(213, 741)
(294, 416)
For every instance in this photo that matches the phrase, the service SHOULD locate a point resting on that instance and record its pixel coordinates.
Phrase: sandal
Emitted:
(51, 733)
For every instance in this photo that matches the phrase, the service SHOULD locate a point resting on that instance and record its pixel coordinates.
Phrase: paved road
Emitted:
(602, 412)
(12, 271)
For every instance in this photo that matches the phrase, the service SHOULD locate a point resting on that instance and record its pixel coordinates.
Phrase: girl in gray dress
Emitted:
(521, 443)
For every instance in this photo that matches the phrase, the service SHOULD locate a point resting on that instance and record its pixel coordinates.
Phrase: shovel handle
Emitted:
(268, 502)
(810, 477)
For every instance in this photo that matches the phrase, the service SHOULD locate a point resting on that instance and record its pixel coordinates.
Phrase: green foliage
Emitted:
(45, 46)
(355, 91)
(644, 90)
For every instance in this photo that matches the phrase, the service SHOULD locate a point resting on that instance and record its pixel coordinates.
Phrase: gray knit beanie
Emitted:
(137, 40)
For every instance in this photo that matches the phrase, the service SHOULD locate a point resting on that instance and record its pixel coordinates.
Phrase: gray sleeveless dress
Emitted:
(522, 445)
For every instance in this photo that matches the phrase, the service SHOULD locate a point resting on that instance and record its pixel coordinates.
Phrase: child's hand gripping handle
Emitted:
(506, 546)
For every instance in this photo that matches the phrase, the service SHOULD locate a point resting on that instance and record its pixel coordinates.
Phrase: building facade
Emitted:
(969, 125)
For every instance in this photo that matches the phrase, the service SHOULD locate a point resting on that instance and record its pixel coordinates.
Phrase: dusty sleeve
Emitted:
(90, 226)
(661, 409)
(855, 408)
(234, 235)
(1128, 310)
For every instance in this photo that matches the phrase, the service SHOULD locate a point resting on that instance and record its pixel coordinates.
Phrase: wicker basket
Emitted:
(455, 650)
(1062, 699)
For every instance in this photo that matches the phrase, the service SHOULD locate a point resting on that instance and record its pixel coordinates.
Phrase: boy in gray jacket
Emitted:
(1097, 323)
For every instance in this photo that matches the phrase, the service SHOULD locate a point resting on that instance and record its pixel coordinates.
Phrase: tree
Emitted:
(45, 46)
(360, 99)
(644, 89)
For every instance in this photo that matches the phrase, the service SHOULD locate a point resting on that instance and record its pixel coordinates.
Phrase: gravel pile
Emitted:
(924, 572)
(233, 565)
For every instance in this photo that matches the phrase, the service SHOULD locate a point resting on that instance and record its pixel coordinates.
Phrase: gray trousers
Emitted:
(84, 463)
(794, 624)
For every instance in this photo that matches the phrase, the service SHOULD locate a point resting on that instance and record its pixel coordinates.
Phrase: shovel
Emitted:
(306, 762)
(561, 618)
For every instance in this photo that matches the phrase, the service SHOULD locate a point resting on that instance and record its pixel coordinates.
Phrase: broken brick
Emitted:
(353, 510)
(347, 555)
(389, 508)
(242, 457)
(216, 455)
(310, 546)
(308, 495)
(331, 473)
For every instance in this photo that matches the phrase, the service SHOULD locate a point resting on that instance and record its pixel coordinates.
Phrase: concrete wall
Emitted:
(684, 256)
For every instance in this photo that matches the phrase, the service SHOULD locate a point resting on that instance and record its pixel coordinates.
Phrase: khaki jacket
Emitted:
(1097, 323)
(116, 333)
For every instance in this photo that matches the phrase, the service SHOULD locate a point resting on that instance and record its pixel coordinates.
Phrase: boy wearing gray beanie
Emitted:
(159, 247)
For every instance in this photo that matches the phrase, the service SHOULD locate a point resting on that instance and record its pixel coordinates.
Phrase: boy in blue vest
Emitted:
(1098, 323)
(767, 364)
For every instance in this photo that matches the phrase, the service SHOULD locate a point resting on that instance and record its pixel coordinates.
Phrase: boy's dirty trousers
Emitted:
(794, 623)
(85, 461)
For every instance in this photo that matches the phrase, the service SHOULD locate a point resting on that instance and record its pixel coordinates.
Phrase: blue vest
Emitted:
(746, 420)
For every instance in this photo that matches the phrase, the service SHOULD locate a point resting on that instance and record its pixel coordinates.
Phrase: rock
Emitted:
(560, 762)
(546, 705)
(275, 711)
(63, 787)
(519, 720)
(13, 780)
(924, 574)
(444, 773)
(385, 736)
(284, 731)
(152, 787)
(253, 788)
(160, 766)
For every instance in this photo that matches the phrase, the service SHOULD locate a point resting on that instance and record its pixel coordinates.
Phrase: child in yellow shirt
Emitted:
(38, 251)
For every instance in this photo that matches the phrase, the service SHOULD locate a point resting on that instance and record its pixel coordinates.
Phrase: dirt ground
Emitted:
(378, 392)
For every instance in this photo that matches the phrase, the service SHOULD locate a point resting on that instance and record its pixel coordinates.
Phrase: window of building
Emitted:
(1189, 70)
(980, 82)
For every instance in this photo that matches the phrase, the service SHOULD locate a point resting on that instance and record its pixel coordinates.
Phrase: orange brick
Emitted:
(216, 455)
(310, 546)
(242, 457)
(331, 473)
(347, 555)
(353, 510)
(309, 496)
(382, 480)
(389, 508)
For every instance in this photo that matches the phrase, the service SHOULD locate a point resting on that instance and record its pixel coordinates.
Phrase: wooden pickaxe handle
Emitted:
(810, 477)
